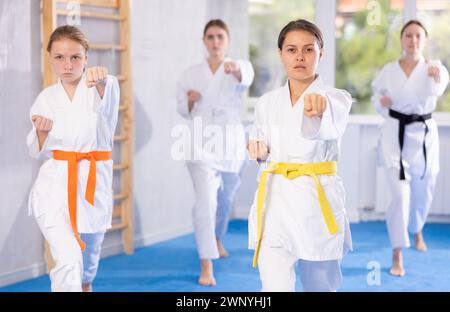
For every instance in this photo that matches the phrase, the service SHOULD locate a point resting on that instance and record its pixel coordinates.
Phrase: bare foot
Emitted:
(86, 287)
(420, 243)
(397, 263)
(223, 253)
(397, 270)
(206, 275)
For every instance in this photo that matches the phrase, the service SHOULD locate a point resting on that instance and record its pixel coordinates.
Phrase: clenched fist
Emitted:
(96, 76)
(435, 73)
(193, 97)
(385, 101)
(257, 150)
(315, 105)
(42, 124)
(231, 67)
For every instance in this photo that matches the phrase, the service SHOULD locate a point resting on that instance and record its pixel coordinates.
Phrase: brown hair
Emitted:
(415, 22)
(68, 32)
(300, 24)
(216, 22)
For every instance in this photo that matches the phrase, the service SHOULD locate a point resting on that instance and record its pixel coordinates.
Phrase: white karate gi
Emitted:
(219, 107)
(417, 94)
(87, 123)
(293, 223)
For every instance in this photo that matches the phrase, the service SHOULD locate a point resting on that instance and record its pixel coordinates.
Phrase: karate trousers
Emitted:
(214, 196)
(410, 204)
(72, 266)
(277, 271)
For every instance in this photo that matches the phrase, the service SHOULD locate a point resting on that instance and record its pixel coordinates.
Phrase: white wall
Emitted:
(166, 38)
(163, 191)
(21, 247)
(235, 14)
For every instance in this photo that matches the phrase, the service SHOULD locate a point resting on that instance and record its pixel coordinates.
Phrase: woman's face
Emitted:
(68, 59)
(300, 55)
(216, 41)
(413, 39)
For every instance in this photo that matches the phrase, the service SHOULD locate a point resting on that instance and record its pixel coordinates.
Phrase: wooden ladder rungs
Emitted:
(120, 196)
(117, 212)
(121, 78)
(114, 17)
(121, 166)
(117, 226)
(115, 13)
(121, 137)
(100, 46)
(97, 3)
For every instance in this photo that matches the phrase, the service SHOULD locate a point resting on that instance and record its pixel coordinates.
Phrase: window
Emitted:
(367, 37)
(267, 18)
(435, 15)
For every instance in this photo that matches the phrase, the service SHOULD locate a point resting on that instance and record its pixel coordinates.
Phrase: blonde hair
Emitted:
(68, 32)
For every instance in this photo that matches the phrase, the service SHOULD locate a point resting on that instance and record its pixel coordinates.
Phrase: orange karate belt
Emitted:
(73, 158)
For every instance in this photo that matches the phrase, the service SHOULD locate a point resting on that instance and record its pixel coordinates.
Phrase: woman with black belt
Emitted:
(405, 93)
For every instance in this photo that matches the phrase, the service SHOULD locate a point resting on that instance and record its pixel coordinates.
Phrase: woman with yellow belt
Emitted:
(73, 122)
(298, 215)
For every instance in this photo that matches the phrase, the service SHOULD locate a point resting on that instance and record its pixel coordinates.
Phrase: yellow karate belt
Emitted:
(292, 171)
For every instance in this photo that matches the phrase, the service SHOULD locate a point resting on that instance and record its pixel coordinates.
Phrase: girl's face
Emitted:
(413, 39)
(216, 41)
(300, 55)
(68, 59)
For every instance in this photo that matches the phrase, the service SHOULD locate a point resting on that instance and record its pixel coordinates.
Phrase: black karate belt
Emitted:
(405, 120)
